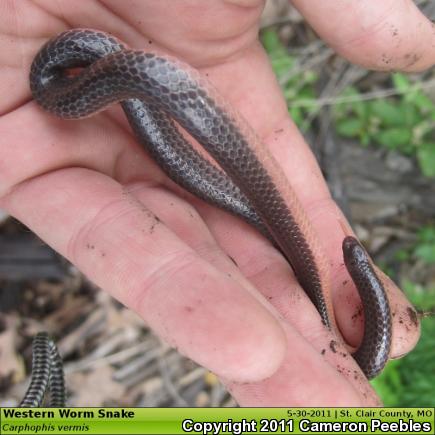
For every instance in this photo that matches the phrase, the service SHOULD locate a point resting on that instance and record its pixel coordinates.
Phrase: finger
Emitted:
(300, 166)
(189, 223)
(124, 248)
(24, 27)
(386, 35)
(270, 273)
(350, 315)
(208, 33)
(98, 143)
(405, 323)
(303, 380)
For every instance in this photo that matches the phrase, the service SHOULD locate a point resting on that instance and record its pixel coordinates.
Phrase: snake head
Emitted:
(353, 252)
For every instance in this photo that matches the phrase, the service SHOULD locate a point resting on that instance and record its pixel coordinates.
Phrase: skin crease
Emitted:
(89, 191)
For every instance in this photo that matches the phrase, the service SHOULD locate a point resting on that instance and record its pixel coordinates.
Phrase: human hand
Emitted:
(96, 203)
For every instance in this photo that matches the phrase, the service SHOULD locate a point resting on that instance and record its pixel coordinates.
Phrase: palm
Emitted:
(89, 190)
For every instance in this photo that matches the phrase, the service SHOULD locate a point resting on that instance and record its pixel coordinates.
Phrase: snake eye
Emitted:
(353, 251)
(348, 245)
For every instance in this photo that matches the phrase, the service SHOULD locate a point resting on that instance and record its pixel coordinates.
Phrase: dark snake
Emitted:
(156, 92)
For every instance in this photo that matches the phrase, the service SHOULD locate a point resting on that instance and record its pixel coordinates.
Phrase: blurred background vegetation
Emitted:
(393, 116)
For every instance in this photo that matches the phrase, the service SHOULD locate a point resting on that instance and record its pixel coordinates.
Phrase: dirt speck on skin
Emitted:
(358, 313)
(333, 346)
(323, 352)
(155, 222)
(409, 319)
(411, 59)
(386, 59)
(344, 282)
(234, 261)
(413, 317)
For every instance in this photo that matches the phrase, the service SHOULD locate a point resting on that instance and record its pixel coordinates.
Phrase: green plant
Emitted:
(405, 123)
(423, 249)
(410, 381)
(296, 83)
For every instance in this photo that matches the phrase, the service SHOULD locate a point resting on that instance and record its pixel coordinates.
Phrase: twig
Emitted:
(94, 362)
(169, 384)
(305, 66)
(331, 101)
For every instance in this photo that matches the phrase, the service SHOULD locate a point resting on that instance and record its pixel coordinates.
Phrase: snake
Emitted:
(81, 72)
(47, 375)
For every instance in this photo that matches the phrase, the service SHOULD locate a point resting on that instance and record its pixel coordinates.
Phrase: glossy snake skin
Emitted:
(155, 90)
(373, 351)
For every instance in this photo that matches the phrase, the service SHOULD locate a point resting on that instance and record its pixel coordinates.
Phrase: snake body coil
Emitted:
(154, 91)
(47, 374)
